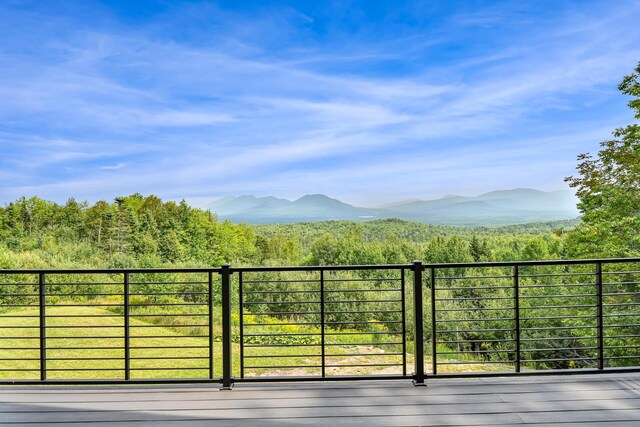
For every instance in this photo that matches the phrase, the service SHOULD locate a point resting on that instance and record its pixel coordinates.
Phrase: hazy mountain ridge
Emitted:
(501, 207)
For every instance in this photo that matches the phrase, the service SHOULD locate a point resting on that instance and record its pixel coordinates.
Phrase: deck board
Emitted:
(612, 399)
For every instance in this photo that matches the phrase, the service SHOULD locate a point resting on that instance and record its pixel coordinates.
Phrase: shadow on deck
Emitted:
(577, 400)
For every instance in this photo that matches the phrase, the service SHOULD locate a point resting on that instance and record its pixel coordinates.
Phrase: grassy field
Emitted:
(87, 342)
(99, 343)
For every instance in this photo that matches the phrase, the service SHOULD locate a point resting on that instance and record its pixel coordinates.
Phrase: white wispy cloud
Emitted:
(113, 167)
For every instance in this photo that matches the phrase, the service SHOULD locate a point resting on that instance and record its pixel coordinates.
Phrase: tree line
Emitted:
(139, 231)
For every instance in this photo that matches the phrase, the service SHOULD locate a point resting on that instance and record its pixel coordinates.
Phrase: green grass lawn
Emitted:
(97, 335)
(101, 356)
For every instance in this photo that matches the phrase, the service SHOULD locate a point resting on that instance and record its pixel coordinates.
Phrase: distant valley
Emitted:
(504, 207)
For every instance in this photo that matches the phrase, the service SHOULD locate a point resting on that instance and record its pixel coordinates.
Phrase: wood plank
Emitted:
(458, 420)
(408, 393)
(631, 408)
(264, 402)
(586, 423)
(282, 419)
(582, 416)
(488, 403)
(435, 387)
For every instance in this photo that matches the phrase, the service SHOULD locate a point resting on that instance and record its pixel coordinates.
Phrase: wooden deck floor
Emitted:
(576, 400)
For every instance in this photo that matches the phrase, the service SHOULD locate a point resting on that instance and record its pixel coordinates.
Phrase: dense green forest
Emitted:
(137, 231)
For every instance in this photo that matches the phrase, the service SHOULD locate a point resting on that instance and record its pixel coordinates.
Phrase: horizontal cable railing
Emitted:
(319, 322)
(106, 325)
(344, 319)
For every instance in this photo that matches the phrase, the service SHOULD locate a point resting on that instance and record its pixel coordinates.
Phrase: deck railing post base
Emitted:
(227, 387)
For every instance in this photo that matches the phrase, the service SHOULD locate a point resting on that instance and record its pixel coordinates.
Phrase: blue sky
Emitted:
(366, 101)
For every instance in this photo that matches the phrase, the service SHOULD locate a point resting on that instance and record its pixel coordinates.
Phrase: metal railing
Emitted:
(235, 324)
(338, 315)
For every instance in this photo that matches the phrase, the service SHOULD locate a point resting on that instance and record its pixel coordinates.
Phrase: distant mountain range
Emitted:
(503, 207)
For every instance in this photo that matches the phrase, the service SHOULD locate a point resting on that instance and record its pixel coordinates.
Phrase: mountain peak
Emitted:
(320, 200)
(518, 192)
(314, 197)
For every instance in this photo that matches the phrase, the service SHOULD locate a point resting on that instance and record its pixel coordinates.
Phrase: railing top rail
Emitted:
(533, 263)
(110, 270)
(442, 265)
(324, 267)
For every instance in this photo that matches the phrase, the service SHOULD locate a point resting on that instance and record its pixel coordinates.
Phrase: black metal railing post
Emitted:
(127, 332)
(516, 309)
(211, 330)
(43, 326)
(227, 380)
(404, 322)
(418, 320)
(434, 329)
(322, 337)
(600, 316)
(241, 317)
